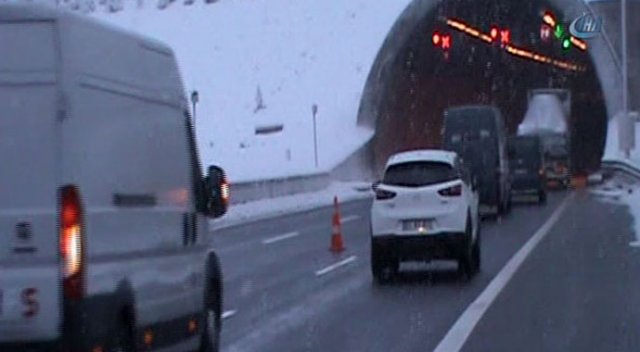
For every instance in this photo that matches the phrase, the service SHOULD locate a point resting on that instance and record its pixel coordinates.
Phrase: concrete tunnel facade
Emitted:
(411, 82)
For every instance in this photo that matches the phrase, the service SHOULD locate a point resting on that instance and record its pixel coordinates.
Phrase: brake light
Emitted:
(225, 191)
(453, 191)
(71, 243)
(382, 194)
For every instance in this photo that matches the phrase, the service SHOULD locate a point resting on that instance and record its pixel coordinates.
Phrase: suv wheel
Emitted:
(210, 339)
(383, 268)
(475, 251)
(123, 338)
(542, 197)
(466, 258)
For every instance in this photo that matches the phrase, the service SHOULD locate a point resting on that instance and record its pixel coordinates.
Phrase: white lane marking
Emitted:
(350, 218)
(294, 315)
(229, 314)
(335, 266)
(461, 330)
(280, 237)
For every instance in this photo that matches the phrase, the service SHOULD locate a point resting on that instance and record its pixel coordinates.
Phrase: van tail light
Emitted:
(453, 191)
(225, 191)
(382, 194)
(72, 244)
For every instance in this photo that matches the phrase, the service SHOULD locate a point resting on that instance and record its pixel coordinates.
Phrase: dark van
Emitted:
(526, 159)
(477, 133)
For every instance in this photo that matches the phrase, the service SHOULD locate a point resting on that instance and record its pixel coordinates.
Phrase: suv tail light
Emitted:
(382, 194)
(72, 243)
(453, 191)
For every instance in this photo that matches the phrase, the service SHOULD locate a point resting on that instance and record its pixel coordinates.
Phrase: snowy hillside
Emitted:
(260, 63)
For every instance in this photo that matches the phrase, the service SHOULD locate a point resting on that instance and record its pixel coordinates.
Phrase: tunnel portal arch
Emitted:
(411, 82)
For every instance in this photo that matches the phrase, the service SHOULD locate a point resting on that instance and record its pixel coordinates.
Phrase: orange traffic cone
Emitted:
(337, 244)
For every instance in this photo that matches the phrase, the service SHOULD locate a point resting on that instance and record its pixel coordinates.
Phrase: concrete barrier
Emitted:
(621, 166)
(356, 167)
(249, 191)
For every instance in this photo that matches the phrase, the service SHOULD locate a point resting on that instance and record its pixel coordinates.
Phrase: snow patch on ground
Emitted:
(626, 192)
(269, 208)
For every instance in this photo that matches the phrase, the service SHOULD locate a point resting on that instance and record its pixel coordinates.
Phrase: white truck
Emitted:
(104, 240)
(547, 117)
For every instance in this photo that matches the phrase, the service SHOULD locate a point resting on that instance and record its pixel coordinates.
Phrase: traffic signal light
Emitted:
(558, 31)
(442, 41)
(549, 19)
(545, 32)
(566, 44)
(494, 33)
(436, 39)
(446, 42)
(505, 36)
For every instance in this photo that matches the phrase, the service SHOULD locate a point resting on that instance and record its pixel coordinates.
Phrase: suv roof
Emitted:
(423, 155)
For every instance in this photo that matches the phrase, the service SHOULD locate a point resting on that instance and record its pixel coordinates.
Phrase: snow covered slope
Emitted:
(261, 63)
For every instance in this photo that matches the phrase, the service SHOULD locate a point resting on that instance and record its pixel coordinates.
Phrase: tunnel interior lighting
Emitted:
(580, 44)
(514, 50)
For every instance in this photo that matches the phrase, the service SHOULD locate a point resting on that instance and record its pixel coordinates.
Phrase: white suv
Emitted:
(425, 208)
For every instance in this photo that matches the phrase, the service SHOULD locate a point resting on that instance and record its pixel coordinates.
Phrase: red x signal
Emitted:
(505, 36)
(446, 42)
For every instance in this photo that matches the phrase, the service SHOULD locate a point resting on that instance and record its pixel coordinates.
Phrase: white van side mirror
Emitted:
(217, 191)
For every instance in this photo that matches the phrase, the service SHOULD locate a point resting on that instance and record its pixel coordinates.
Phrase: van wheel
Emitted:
(123, 339)
(542, 197)
(210, 340)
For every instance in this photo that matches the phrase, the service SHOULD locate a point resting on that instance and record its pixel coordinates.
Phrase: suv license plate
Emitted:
(421, 226)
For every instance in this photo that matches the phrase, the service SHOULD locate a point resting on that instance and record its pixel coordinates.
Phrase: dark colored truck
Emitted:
(478, 135)
(547, 117)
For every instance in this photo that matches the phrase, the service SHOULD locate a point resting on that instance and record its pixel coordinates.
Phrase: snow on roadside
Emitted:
(269, 208)
(266, 63)
(612, 151)
(626, 192)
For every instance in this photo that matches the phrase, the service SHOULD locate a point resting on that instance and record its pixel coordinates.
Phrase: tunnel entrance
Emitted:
(414, 81)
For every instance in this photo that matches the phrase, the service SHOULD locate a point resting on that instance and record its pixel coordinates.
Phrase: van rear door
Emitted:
(29, 275)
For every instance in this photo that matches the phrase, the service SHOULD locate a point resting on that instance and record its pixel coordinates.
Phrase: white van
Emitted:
(103, 208)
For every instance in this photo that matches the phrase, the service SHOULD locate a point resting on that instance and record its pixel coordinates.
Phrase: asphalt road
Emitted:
(281, 294)
(579, 290)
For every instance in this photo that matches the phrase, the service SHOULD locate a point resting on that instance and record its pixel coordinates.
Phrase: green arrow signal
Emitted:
(559, 31)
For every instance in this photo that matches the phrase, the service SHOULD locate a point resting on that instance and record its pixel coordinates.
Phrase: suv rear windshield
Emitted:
(418, 174)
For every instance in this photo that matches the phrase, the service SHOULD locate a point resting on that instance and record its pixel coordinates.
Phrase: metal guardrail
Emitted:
(622, 166)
